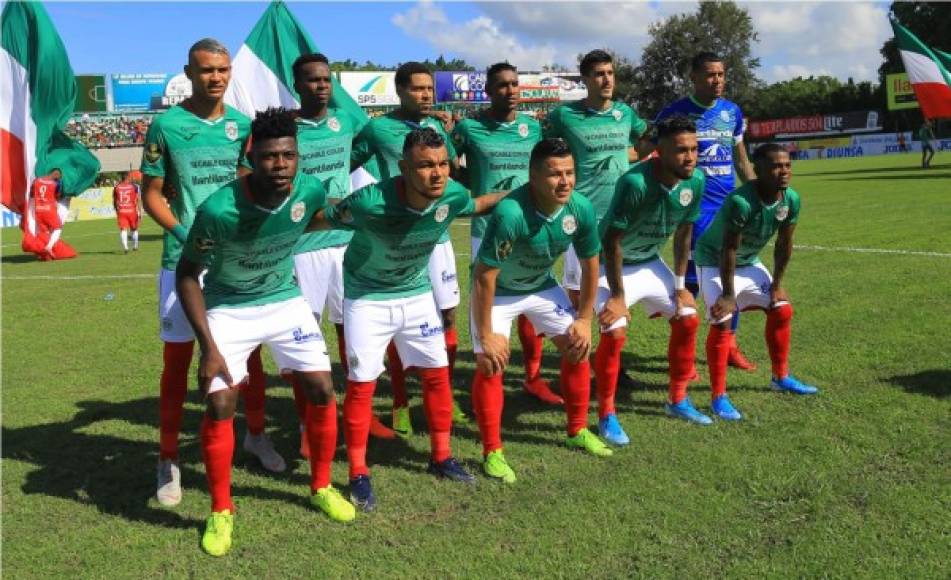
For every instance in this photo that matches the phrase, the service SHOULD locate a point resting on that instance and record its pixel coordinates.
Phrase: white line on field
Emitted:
(873, 251)
(84, 277)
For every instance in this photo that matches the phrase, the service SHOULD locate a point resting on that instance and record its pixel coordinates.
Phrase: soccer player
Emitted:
(245, 235)
(125, 200)
(603, 136)
(197, 146)
(655, 200)
(382, 141)
(47, 215)
(732, 275)
(397, 223)
(497, 145)
(720, 138)
(926, 135)
(527, 233)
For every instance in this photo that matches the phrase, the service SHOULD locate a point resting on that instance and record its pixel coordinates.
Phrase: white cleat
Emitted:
(261, 447)
(169, 490)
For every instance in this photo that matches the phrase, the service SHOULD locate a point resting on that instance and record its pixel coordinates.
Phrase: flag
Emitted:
(927, 71)
(37, 93)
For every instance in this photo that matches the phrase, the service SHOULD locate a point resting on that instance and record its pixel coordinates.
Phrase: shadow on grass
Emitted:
(923, 175)
(910, 167)
(20, 259)
(934, 383)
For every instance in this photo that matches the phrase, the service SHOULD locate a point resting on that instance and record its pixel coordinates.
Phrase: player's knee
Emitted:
(689, 322)
(449, 318)
(782, 312)
(221, 404)
(616, 333)
(318, 386)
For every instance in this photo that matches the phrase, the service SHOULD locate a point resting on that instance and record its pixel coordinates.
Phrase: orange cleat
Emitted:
(738, 361)
(379, 430)
(540, 389)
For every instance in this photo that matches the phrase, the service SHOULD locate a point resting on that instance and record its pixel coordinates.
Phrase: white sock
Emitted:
(135, 239)
(54, 237)
(124, 237)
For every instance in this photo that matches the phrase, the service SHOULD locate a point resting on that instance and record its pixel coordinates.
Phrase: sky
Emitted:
(841, 39)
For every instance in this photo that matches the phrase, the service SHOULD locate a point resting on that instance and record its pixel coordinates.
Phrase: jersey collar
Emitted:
(694, 100)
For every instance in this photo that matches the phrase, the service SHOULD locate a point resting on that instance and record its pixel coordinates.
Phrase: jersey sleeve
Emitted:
(794, 204)
(552, 127)
(203, 236)
(638, 127)
(154, 151)
(627, 198)
(244, 158)
(738, 128)
(460, 139)
(461, 201)
(699, 186)
(501, 233)
(738, 213)
(362, 149)
(586, 241)
(450, 147)
(349, 213)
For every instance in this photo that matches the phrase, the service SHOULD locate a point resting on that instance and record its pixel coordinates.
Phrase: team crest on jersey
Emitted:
(504, 249)
(152, 152)
(569, 224)
(442, 212)
(782, 212)
(334, 124)
(297, 211)
(686, 196)
(725, 116)
(617, 115)
(523, 130)
(231, 130)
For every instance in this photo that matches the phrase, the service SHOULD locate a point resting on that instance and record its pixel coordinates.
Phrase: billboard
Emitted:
(461, 87)
(531, 89)
(149, 91)
(570, 87)
(371, 89)
(851, 122)
(899, 92)
(90, 94)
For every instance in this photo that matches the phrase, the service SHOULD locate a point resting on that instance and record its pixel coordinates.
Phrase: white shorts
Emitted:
(751, 284)
(442, 276)
(287, 328)
(651, 284)
(549, 311)
(173, 325)
(320, 277)
(414, 324)
(571, 277)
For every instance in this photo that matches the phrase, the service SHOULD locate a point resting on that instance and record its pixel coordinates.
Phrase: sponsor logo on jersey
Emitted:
(782, 212)
(231, 130)
(301, 337)
(204, 244)
(334, 124)
(427, 330)
(297, 211)
(617, 115)
(686, 196)
(523, 130)
(441, 213)
(569, 224)
(503, 250)
(725, 116)
(152, 152)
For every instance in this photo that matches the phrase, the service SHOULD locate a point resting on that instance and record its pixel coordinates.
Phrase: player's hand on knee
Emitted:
(495, 348)
(211, 365)
(683, 299)
(579, 340)
(614, 309)
(777, 294)
(723, 308)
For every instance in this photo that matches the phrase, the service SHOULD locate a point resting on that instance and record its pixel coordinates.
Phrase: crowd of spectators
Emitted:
(109, 131)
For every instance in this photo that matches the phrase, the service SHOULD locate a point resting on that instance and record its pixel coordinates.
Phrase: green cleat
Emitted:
(458, 416)
(496, 466)
(333, 504)
(217, 537)
(588, 441)
(401, 422)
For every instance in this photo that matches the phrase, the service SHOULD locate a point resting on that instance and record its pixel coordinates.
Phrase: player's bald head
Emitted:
(209, 45)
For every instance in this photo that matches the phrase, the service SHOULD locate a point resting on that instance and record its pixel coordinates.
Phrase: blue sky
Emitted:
(797, 38)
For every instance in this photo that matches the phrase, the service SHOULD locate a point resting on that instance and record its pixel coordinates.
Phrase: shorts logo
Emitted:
(569, 224)
(333, 124)
(301, 337)
(204, 244)
(231, 130)
(617, 115)
(297, 211)
(354, 361)
(167, 324)
(448, 276)
(725, 116)
(563, 310)
(686, 196)
(152, 152)
(427, 330)
(782, 212)
(503, 250)
(522, 130)
(442, 212)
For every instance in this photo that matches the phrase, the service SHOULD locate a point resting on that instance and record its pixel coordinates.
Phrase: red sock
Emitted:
(397, 377)
(322, 435)
(607, 367)
(300, 401)
(681, 352)
(254, 393)
(357, 410)
(487, 401)
(342, 349)
(718, 352)
(531, 347)
(778, 334)
(176, 357)
(437, 402)
(217, 450)
(452, 345)
(576, 389)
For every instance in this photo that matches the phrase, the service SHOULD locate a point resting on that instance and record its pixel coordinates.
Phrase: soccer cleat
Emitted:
(402, 423)
(724, 409)
(588, 441)
(458, 416)
(450, 468)
(169, 489)
(217, 537)
(612, 432)
(379, 430)
(261, 447)
(361, 493)
(738, 361)
(686, 411)
(329, 500)
(791, 384)
(540, 389)
(496, 466)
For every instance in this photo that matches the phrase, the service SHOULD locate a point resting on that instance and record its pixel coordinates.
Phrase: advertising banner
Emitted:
(90, 94)
(8, 219)
(149, 92)
(768, 128)
(531, 89)
(371, 88)
(858, 146)
(461, 87)
(92, 204)
(850, 122)
(899, 92)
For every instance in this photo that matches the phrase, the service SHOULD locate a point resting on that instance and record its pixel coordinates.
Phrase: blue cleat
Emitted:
(612, 432)
(361, 494)
(451, 469)
(724, 409)
(791, 384)
(686, 411)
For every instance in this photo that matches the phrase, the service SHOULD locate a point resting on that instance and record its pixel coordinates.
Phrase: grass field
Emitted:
(855, 482)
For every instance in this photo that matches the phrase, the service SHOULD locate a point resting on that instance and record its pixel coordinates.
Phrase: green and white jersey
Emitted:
(388, 256)
(599, 141)
(524, 244)
(649, 212)
(497, 155)
(197, 157)
(324, 152)
(743, 212)
(248, 249)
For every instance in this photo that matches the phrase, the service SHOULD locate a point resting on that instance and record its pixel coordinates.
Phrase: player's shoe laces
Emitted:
(169, 489)
(724, 409)
(361, 493)
(333, 504)
(588, 441)
(686, 411)
(379, 430)
(217, 537)
(738, 361)
(401, 422)
(261, 447)
(458, 415)
(496, 466)
(541, 389)
(612, 432)
(450, 468)
(791, 384)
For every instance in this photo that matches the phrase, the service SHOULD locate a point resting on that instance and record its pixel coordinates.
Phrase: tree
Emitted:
(812, 96)
(441, 64)
(721, 27)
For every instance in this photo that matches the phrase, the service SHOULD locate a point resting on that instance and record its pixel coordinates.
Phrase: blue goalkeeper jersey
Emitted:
(719, 128)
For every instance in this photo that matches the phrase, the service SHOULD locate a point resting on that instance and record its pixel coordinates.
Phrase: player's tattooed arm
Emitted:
(781, 256)
(726, 303)
(211, 364)
(157, 207)
(616, 306)
(682, 297)
(495, 347)
(744, 169)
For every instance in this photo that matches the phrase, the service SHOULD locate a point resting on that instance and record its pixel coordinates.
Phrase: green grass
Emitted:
(854, 482)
